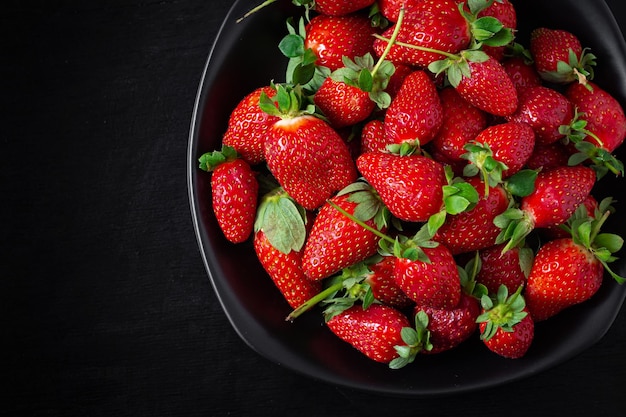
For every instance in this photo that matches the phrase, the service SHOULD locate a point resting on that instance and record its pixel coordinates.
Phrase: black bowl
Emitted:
(245, 56)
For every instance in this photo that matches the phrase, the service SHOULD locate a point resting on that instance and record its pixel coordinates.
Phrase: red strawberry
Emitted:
(435, 283)
(559, 56)
(336, 241)
(333, 37)
(606, 123)
(522, 73)
(343, 104)
(391, 8)
(340, 8)
(569, 271)
(548, 156)
(383, 285)
(376, 332)
(557, 232)
(397, 79)
(462, 122)
(285, 270)
(450, 327)
(488, 87)
(545, 110)
(373, 137)
(415, 114)
(557, 194)
(435, 24)
(307, 156)
(409, 186)
(474, 229)
(509, 269)
(506, 327)
(248, 125)
(500, 151)
(234, 192)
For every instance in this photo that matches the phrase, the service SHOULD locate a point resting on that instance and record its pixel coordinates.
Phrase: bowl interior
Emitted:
(245, 56)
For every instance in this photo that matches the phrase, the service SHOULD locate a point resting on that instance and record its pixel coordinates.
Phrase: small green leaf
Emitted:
(612, 242)
(292, 46)
(522, 183)
(366, 82)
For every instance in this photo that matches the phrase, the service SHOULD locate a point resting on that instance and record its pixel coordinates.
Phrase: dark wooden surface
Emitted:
(106, 307)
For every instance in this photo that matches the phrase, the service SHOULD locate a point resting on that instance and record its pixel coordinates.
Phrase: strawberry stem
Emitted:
(313, 301)
(390, 43)
(255, 9)
(361, 223)
(418, 47)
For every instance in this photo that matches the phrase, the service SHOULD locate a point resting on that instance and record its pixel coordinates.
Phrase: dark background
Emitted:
(106, 306)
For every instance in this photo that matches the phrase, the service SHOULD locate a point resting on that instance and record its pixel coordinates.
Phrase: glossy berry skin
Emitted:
(373, 331)
(341, 7)
(515, 344)
(383, 285)
(489, 88)
(558, 192)
(415, 114)
(410, 186)
(309, 159)
(499, 268)
(436, 284)
(248, 126)
(548, 156)
(373, 136)
(474, 229)
(335, 241)
(603, 113)
(549, 46)
(521, 73)
(286, 272)
(234, 190)
(343, 104)
(512, 143)
(462, 122)
(450, 327)
(435, 24)
(545, 110)
(563, 274)
(332, 37)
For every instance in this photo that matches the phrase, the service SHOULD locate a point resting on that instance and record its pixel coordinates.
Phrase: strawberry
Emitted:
(410, 186)
(247, 126)
(545, 110)
(234, 192)
(391, 8)
(557, 232)
(336, 241)
(373, 137)
(433, 281)
(488, 87)
(569, 271)
(462, 122)
(499, 151)
(521, 72)
(415, 114)
(598, 128)
(383, 285)
(557, 194)
(333, 37)
(450, 327)
(340, 8)
(510, 268)
(343, 104)
(474, 229)
(559, 56)
(548, 156)
(397, 79)
(506, 327)
(307, 156)
(434, 24)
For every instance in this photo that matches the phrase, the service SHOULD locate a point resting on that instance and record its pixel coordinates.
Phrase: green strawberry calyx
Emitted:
(590, 147)
(578, 69)
(416, 339)
(486, 30)
(585, 229)
(211, 160)
(502, 312)
(482, 162)
(290, 101)
(282, 221)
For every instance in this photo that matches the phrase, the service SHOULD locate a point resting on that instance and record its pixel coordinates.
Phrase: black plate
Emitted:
(244, 57)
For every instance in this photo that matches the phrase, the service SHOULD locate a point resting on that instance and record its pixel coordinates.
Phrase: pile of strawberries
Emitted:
(422, 176)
